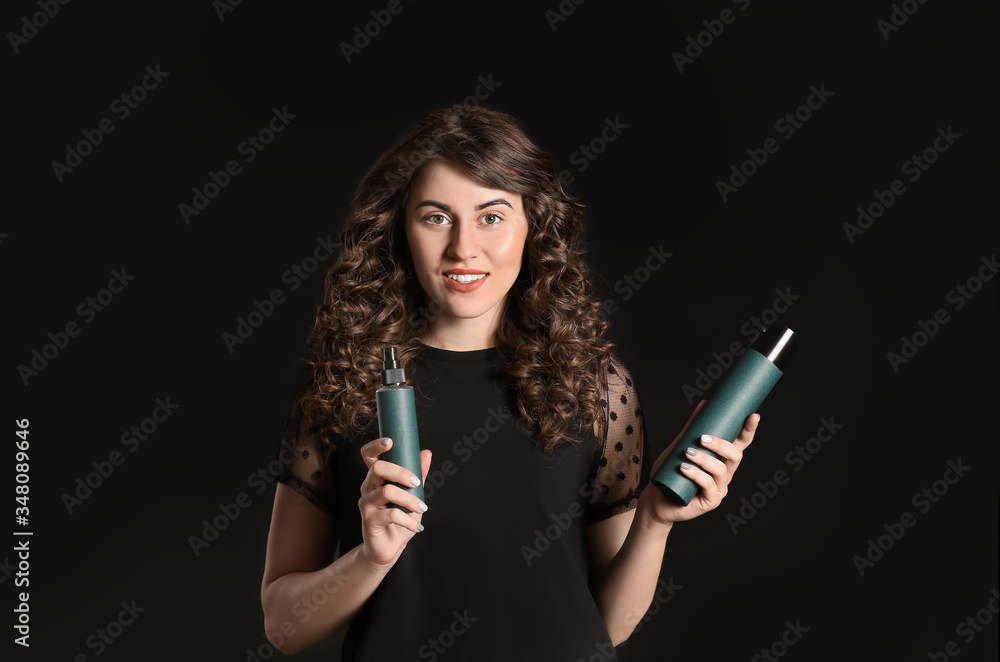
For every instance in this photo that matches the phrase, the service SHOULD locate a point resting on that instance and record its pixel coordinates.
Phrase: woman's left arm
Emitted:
(626, 551)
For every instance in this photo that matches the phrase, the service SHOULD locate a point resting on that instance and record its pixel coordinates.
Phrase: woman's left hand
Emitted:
(714, 485)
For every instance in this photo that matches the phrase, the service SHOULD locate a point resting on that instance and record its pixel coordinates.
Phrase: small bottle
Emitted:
(737, 397)
(397, 420)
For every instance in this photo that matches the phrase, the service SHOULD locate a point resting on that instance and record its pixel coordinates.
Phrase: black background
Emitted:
(654, 185)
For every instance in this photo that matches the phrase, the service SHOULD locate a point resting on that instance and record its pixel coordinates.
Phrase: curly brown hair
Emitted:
(551, 336)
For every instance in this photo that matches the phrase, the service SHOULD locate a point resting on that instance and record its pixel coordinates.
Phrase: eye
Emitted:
(437, 219)
(492, 219)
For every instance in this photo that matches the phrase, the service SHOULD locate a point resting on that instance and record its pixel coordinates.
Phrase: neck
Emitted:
(461, 335)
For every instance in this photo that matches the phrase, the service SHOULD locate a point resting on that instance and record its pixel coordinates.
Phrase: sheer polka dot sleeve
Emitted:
(622, 462)
(308, 464)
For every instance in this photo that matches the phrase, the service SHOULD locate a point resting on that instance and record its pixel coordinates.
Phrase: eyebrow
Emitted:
(496, 201)
(441, 205)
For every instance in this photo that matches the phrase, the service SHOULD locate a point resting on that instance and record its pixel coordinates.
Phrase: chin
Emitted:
(467, 312)
(466, 308)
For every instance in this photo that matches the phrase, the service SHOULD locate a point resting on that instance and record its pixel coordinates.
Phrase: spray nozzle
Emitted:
(392, 371)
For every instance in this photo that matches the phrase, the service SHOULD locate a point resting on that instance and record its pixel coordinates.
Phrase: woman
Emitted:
(536, 540)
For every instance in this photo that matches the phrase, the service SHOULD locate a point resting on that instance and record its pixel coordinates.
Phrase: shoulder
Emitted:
(621, 381)
(618, 371)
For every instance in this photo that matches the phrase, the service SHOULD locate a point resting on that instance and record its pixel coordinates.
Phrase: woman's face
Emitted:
(466, 241)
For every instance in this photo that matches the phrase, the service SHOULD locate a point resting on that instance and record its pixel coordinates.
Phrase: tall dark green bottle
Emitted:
(397, 420)
(738, 396)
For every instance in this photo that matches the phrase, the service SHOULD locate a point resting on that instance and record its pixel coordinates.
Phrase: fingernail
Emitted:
(423, 507)
(685, 466)
(706, 439)
(692, 451)
(420, 527)
(386, 442)
(414, 481)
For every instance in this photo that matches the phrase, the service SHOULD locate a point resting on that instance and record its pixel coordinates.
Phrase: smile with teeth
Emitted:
(465, 278)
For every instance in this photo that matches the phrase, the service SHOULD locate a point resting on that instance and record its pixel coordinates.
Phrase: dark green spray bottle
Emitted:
(737, 397)
(397, 420)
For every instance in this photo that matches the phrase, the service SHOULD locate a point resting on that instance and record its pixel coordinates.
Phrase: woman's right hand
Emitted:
(386, 530)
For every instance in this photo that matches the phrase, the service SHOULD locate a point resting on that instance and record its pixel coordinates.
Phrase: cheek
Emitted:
(513, 250)
(418, 250)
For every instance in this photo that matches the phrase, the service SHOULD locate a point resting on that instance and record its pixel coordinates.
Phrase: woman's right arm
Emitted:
(305, 598)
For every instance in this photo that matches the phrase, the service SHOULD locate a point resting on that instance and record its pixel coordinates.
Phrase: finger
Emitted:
(375, 515)
(392, 494)
(714, 466)
(748, 431)
(710, 493)
(397, 516)
(725, 450)
(374, 448)
(393, 473)
(425, 463)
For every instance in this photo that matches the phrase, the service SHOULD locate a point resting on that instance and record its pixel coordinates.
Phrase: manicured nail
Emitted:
(692, 451)
(423, 507)
(420, 527)
(414, 481)
(386, 442)
(706, 438)
(685, 466)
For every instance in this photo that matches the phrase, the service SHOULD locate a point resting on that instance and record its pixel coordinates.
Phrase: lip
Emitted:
(464, 287)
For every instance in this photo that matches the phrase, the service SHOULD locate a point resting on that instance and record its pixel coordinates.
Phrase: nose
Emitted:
(464, 242)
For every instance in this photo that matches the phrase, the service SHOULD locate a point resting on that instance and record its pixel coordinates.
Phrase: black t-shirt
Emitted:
(500, 571)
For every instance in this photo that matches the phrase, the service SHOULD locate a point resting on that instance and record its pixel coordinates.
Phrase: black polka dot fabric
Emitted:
(621, 467)
(304, 458)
